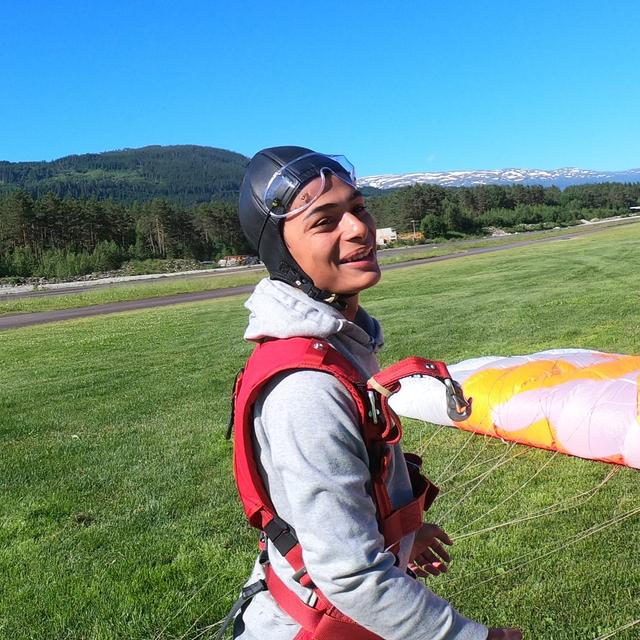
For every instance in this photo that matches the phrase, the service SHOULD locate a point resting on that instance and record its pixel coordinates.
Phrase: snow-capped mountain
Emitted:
(558, 177)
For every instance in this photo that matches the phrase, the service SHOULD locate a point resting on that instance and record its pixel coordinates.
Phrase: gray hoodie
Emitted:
(315, 467)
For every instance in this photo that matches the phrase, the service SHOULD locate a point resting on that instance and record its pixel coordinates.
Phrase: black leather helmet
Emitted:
(263, 230)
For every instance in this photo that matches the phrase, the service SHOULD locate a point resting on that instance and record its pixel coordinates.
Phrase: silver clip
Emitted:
(372, 403)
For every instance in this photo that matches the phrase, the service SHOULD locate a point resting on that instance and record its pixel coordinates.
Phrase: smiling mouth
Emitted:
(364, 254)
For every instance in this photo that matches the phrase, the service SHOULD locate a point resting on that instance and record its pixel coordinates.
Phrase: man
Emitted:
(303, 213)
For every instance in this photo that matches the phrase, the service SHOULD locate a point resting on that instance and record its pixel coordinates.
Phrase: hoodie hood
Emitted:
(279, 310)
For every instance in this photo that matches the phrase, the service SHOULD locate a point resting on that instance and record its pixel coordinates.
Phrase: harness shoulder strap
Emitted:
(268, 360)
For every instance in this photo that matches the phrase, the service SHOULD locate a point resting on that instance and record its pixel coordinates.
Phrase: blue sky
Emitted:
(397, 87)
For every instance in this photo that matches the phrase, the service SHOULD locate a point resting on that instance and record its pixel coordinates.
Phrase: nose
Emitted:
(353, 226)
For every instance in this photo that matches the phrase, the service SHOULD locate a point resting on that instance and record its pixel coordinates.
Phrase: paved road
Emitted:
(42, 317)
(477, 250)
(90, 286)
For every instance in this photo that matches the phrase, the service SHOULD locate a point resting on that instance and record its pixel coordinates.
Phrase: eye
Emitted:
(359, 210)
(325, 221)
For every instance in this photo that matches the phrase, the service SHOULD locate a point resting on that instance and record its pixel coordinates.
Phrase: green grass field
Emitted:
(138, 290)
(118, 511)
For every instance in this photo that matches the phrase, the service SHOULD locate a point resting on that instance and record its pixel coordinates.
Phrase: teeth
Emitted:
(359, 256)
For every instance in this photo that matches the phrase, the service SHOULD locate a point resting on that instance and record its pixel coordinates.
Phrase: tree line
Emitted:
(54, 237)
(445, 211)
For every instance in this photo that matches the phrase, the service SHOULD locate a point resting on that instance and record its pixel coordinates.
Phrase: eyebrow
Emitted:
(355, 194)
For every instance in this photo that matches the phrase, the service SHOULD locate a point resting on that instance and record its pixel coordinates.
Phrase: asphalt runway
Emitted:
(42, 317)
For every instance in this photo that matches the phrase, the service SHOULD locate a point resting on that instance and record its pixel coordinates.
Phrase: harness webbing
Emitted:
(380, 428)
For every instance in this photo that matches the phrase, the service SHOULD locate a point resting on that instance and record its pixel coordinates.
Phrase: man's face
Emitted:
(334, 240)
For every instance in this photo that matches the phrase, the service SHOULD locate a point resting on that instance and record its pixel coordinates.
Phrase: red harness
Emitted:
(380, 429)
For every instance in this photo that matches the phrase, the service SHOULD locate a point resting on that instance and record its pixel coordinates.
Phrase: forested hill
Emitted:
(186, 174)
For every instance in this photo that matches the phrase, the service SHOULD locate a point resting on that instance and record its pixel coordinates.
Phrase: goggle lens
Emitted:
(285, 182)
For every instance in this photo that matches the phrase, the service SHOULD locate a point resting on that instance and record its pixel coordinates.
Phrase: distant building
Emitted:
(408, 236)
(233, 261)
(385, 236)
(634, 208)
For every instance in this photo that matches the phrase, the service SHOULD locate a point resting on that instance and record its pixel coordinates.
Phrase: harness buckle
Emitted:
(253, 589)
(303, 578)
(298, 575)
(281, 535)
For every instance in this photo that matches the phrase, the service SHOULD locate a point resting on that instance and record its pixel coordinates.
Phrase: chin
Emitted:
(358, 284)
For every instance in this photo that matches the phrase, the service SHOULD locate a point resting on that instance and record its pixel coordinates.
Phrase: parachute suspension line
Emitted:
(501, 460)
(472, 463)
(471, 436)
(160, 633)
(545, 511)
(520, 488)
(211, 627)
(204, 631)
(510, 496)
(582, 535)
(481, 463)
(202, 613)
(422, 447)
(610, 634)
(482, 477)
(440, 428)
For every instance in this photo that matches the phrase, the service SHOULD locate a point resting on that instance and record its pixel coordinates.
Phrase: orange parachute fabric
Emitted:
(579, 402)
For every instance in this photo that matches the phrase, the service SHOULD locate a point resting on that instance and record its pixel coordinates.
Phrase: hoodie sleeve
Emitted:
(318, 478)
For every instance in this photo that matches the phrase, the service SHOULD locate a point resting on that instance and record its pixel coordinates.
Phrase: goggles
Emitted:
(287, 181)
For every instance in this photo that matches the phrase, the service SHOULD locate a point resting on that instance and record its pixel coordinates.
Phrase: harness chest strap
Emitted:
(380, 429)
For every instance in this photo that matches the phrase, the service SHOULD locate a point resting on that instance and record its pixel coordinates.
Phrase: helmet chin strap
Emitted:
(336, 300)
(291, 273)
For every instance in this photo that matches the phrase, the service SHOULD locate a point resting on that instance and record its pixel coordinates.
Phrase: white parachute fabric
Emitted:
(576, 401)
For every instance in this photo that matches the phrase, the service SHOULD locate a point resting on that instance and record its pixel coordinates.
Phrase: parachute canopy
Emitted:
(575, 401)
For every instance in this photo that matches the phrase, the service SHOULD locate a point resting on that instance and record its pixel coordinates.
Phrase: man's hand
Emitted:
(428, 556)
(504, 634)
